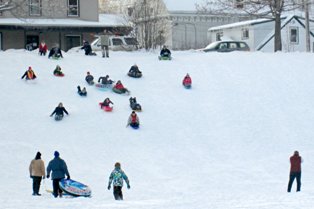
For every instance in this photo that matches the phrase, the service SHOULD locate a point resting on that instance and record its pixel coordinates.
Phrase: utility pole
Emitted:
(307, 26)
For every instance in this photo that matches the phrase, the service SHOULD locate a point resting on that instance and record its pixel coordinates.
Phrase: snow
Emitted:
(225, 143)
(104, 21)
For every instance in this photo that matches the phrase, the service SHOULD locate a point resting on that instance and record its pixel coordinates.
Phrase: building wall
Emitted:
(190, 29)
(88, 10)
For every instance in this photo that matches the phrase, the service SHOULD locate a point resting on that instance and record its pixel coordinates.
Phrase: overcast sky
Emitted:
(187, 5)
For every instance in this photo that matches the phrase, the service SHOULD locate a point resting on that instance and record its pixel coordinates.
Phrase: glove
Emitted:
(48, 176)
(128, 186)
(68, 177)
(109, 187)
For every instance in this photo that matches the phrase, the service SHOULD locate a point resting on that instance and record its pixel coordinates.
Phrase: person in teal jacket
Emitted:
(116, 179)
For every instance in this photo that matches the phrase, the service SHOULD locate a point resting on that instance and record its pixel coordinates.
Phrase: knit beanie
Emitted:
(56, 154)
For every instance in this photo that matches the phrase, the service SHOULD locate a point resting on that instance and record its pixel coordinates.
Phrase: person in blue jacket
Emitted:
(59, 169)
(116, 179)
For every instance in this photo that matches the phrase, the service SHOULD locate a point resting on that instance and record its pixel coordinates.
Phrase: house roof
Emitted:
(105, 20)
(240, 24)
(182, 5)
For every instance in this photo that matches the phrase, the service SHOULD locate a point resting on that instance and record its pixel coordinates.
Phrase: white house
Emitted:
(259, 34)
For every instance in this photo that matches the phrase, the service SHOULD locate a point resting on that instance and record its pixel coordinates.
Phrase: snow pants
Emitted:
(105, 50)
(36, 184)
(294, 175)
(117, 193)
(56, 188)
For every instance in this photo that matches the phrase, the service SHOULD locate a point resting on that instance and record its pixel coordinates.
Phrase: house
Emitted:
(259, 34)
(63, 22)
(189, 27)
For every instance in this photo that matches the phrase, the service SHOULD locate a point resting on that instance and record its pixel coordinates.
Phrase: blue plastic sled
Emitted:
(75, 188)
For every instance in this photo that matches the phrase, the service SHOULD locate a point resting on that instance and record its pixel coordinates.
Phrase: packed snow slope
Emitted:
(223, 144)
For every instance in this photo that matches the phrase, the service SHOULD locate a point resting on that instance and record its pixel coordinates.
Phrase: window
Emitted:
(34, 7)
(116, 41)
(73, 8)
(219, 36)
(245, 33)
(294, 35)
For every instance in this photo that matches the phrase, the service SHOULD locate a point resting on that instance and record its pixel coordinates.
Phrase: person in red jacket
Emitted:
(187, 81)
(295, 171)
(119, 88)
(43, 48)
(133, 120)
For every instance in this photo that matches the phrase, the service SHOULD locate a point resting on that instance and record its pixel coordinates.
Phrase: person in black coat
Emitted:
(59, 112)
(105, 80)
(106, 103)
(89, 78)
(55, 52)
(87, 47)
(165, 52)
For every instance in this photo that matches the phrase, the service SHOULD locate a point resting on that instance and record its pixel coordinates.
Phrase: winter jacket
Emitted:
(134, 69)
(43, 48)
(165, 52)
(87, 47)
(59, 111)
(37, 168)
(117, 176)
(57, 71)
(187, 81)
(105, 80)
(133, 119)
(119, 86)
(106, 103)
(104, 40)
(29, 74)
(58, 167)
(55, 51)
(295, 162)
(89, 78)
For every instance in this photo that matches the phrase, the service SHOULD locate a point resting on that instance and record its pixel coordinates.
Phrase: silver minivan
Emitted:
(117, 43)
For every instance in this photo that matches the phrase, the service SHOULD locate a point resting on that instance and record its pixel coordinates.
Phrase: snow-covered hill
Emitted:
(223, 144)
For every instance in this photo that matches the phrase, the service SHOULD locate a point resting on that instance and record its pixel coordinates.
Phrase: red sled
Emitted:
(106, 108)
(59, 75)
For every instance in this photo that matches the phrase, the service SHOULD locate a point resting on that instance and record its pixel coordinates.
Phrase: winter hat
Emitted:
(29, 67)
(38, 155)
(56, 154)
(117, 165)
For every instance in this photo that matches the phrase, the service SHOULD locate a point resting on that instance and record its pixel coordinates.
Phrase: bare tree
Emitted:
(6, 5)
(151, 23)
(257, 8)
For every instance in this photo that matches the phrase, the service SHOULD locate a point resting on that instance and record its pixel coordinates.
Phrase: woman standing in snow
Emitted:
(37, 172)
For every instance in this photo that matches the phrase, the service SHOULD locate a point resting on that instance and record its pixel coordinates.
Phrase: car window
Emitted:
(233, 45)
(243, 45)
(222, 46)
(117, 41)
(130, 41)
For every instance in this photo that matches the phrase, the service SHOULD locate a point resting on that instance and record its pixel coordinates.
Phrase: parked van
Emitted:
(117, 43)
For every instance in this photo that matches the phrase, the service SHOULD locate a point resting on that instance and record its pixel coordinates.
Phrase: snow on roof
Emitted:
(238, 24)
(105, 20)
(182, 5)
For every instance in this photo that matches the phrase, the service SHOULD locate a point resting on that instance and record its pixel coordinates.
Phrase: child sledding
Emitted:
(29, 74)
(89, 79)
(187, 81)
(165, 54)
(133, 121)
(134, 105)
(104, 83)
(81, 92)
(120, 89)
(58, 72)
(135, 72)
(106, 105)
(59, 110)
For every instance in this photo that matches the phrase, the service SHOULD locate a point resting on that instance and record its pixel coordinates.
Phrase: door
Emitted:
(72, 41)
(32, 42)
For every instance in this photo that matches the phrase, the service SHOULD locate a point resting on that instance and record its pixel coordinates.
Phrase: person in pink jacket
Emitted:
(187, 81)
